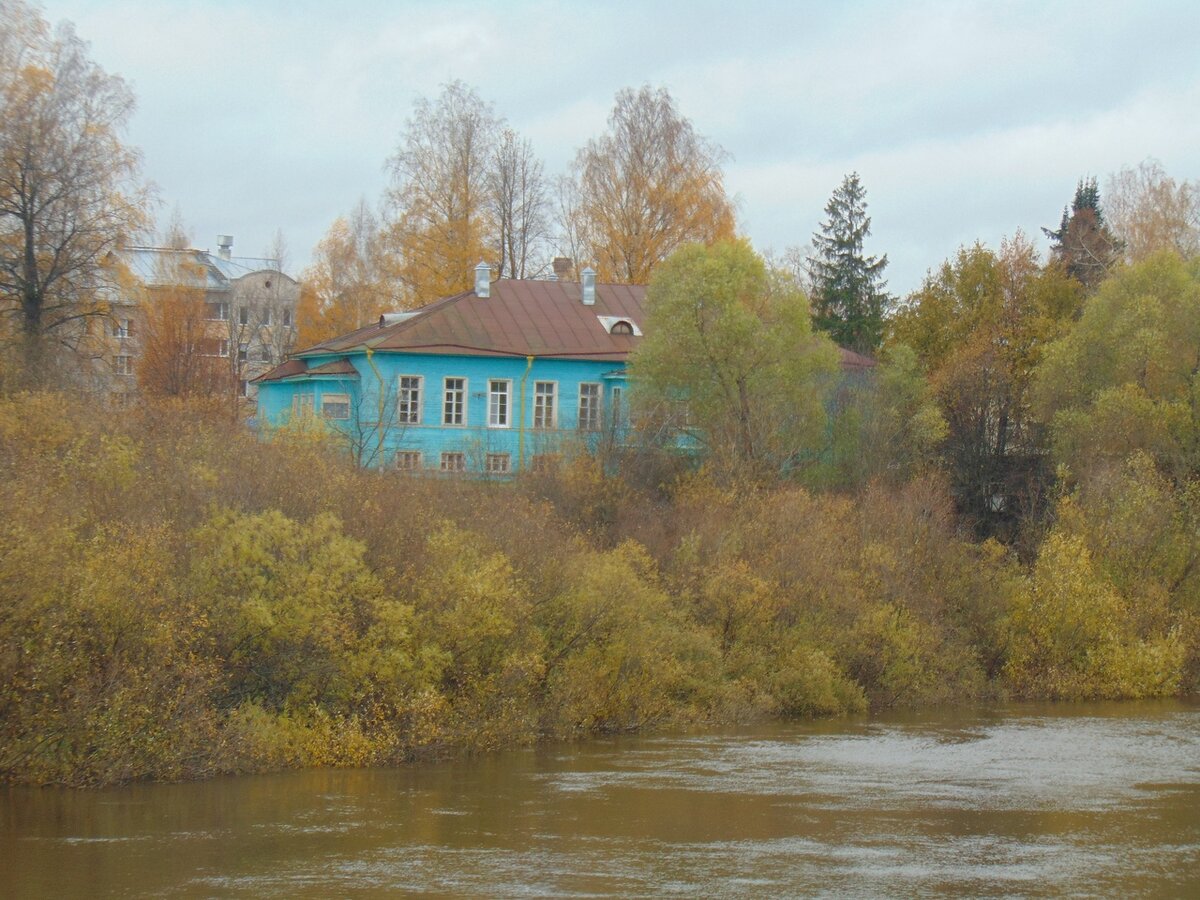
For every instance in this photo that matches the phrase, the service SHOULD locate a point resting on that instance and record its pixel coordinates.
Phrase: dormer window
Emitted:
(619, 325)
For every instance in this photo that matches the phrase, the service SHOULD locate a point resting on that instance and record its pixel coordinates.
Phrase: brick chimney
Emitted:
(562, 268)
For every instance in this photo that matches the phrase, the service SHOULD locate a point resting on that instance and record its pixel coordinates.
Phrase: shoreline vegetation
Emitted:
(179, 599)
(1006, 506)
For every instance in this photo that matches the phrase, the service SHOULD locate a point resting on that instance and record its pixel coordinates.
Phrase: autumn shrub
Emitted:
(180, 597)
(1073, 636)
(618, 655)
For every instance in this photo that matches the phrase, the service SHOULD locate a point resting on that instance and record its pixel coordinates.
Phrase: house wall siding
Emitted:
(474, 438)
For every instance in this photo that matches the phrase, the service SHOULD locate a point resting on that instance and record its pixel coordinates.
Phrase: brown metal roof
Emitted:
(852, 360)
(295, 367)
(520, 318)
(289, 369)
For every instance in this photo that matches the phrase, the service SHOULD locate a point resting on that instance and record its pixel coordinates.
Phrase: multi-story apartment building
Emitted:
(247, 313)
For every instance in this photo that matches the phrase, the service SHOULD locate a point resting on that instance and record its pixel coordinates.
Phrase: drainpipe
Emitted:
(521, 423)
(379, 377)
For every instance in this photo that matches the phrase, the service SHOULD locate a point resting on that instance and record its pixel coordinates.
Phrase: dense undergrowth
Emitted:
(178, 599)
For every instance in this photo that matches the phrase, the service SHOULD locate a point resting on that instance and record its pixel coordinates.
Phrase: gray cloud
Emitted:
(966, 121)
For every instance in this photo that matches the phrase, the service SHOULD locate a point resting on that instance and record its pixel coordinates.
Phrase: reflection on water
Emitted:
(1092, 800)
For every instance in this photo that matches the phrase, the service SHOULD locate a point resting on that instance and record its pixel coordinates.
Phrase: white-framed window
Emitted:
(223, 348)
(454, 401)
(123, 328)
(454, 462)
(335, 406)
(123, 365)
(218, 312)
(302, 404)
(499, 403)
(266, 315)
(408, 400)
(243, 315)
(286, 315)
(498, 463)
(407, 460)
(589, 406)
(243, 352)
(545, 394)
(120, 400)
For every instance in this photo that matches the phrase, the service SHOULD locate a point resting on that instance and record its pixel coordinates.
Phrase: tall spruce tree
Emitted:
(849, 295)
(1083, 243)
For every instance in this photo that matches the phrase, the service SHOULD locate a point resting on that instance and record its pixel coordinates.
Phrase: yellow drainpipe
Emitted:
(521, 422)
(382, 400)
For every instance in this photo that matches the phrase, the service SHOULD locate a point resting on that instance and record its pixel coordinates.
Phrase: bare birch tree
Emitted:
(519, 207)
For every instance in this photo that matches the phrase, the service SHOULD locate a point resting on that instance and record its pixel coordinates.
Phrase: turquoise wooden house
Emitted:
(500, 379)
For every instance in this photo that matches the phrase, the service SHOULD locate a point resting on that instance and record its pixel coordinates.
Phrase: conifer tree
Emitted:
(1083, 243)
(849, 293)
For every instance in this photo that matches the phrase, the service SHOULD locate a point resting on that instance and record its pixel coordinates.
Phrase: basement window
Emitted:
(454, 462)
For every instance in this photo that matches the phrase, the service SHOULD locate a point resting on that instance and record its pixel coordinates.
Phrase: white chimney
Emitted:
(483, 281)
(225, 245)
(589, 286)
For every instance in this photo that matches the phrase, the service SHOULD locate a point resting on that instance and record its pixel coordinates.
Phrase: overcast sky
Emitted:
(966, 121)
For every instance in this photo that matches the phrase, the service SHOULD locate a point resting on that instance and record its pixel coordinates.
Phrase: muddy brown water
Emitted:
(1082, 800)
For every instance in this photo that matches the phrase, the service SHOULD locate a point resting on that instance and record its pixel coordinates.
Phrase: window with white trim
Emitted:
(589, 406)
(123, 328)
(123, 365)
(223, 348)
(302, 404)
(286, 315)
(218, 312)
(498, 463)
(544, 394)
(266, 315)
(454, 399)
(499, 403)
(454, 462)
(335, 406)
(243, 352)
(243, 315)
(408, 460)
(408, 403)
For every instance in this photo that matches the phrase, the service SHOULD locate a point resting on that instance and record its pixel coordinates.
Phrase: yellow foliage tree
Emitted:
(647, 187)
(69, 187)
(349, 282)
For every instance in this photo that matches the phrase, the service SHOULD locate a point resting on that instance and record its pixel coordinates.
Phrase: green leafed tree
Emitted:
(730, 360)
(850, 299)
(979, 325)
(1126, 376)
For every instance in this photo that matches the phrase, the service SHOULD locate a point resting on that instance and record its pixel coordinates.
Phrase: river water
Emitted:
(1091, 800)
